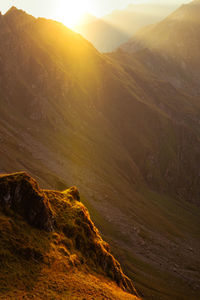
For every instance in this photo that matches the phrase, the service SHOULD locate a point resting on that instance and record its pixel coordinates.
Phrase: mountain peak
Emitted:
(12, 10)
(17, 17)
(85, 20)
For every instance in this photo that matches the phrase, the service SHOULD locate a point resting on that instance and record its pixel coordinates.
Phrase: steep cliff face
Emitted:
(73, 240)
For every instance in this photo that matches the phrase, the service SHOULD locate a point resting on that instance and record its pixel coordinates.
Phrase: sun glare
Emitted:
(70, 12)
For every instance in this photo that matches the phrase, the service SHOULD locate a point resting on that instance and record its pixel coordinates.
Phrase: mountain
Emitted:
(103, 35)
(86, 19)
(108, 32)
(170, 49)
(128, 140)
(50, 245)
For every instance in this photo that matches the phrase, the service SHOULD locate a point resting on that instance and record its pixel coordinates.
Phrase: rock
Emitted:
(21, 193)
(73, 191)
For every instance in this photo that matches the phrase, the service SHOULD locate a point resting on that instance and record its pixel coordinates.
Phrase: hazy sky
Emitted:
(69, 11)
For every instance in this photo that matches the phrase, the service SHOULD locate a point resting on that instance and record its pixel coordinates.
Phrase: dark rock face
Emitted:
(20, 193)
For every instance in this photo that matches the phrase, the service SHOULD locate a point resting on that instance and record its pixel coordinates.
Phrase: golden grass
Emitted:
(70, 262)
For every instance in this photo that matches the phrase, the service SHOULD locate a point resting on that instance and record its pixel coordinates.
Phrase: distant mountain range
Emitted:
(116, 126)
(108, 32)
(170, 49)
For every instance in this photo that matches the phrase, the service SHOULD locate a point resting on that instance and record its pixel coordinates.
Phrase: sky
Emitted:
(70, 11)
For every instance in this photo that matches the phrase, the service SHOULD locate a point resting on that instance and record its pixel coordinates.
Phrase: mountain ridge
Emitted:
(174, 44)
(108, 32)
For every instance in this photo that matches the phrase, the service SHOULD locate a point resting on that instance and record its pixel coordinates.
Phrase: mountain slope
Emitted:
(170, 48)
(108, 32)
(53, 263)
(72, 116)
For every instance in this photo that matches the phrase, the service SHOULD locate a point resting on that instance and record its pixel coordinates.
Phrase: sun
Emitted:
(70, 12)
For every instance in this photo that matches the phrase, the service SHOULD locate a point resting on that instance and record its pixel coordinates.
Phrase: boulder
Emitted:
(20, 193)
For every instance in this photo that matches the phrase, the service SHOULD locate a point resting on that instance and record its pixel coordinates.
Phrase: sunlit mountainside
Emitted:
(117, 127)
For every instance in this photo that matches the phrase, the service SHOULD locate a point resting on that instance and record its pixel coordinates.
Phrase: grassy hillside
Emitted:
(66, 259)
(129, 141)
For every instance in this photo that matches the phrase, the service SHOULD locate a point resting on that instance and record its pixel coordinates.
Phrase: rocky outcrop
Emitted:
(85, 237)
(74, 193)
(63, 213)
(21, 193)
